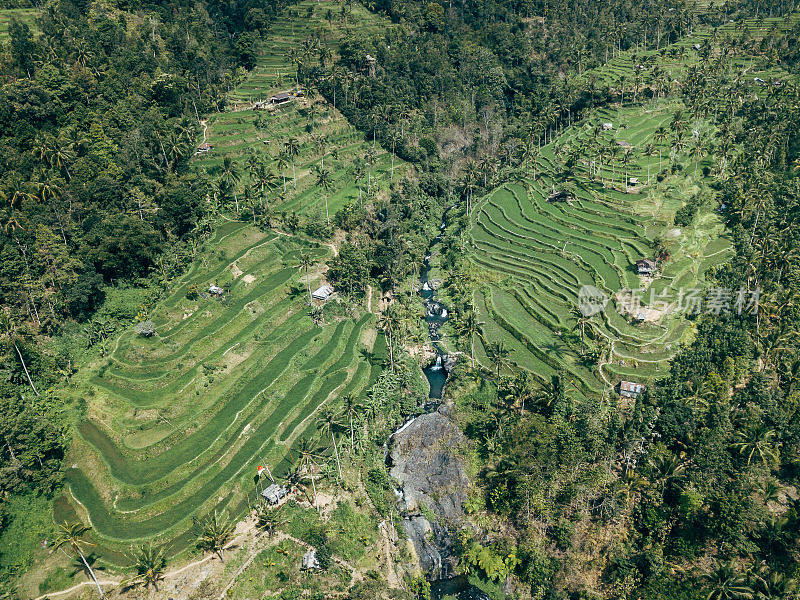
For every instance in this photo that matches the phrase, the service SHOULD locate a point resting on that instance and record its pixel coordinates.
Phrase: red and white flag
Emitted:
(260, 469)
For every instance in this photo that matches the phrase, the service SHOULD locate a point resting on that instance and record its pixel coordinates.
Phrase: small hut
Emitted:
(608, 126)
(216, 290)
(322, 293)
(310, 561)
(274, 493)
(559, 196)
(280, 98)
(646, 266)
(630, 389)
(204, 148)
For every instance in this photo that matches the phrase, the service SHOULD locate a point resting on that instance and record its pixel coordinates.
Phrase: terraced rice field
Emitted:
(538, 254)
(275, 70)
(238, 133)
(177, 423)
(24, 15)
(235, 134)
(675, 59)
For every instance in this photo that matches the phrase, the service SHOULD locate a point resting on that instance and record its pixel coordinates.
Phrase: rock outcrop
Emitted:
(434, 486)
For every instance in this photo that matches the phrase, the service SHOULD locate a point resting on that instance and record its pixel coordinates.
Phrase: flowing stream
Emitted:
(435, 316)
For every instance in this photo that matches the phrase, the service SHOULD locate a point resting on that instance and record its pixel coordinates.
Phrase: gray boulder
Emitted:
(434, 484)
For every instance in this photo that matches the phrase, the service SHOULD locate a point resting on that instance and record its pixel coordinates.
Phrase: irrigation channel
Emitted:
(435, 317)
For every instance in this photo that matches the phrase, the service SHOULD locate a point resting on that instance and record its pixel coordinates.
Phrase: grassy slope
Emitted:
(237, 133)
(25, 15)
(538, 255)
(176, 424)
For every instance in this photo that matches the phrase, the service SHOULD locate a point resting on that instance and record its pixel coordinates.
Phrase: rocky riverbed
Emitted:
(433, 484)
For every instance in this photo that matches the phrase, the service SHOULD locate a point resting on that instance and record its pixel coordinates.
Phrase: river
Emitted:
(435, 316)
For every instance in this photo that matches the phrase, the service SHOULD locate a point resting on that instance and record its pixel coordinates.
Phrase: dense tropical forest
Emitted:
(456, 172)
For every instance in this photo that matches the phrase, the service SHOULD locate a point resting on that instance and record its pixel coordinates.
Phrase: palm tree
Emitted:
(757, 441)
(304, 262)
(468, 327)
(72, 536)
(725, 584)
(498, 355)
(659, 137)
(283, 162)
(699, 151)
(150, 564)
(307, 464)
(9, 331)
(552, 392)
(324, 181)
(230, 176)
(215, 533)
(267, 520)
(328, 423)
(358, 175)
(292, 149)
(351, 411)
(390, 322)
(470, 179)
(581, 321)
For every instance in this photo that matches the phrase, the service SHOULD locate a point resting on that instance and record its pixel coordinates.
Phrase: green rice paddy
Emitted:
(540, 253)
(176, 423)
(241, 130)
(24, 15)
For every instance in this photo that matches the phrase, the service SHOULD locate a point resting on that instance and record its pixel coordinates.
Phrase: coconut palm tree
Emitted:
(390, 323)
(498, 355)
(758, 441)
(283, 162)
(150, 563)
(72, 536)
(358, 175)
(659, 137)
(215, 534)
(307, 464)
(9, 333)
(292, 149)
(468, 326)
(324, 181)
(351, 406)
(327, 424)
(724, 583)
(304, 262)
(230, 176)
(268, 520)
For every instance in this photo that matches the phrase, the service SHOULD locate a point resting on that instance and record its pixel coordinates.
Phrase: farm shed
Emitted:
(216, 290)
(645, 266)
(322, 293)
(274, 493)
(280, 98)
(559, 196)
(204, 147)
(608, 126)
(633, 180)
(310, 560)
(630, 389)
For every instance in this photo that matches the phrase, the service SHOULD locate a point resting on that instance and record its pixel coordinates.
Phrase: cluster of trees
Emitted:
(99, 110)
(699, 473)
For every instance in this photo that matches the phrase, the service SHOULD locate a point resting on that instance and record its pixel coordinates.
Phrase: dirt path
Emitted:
(369, 298)
(385, 541)
(204, 123)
